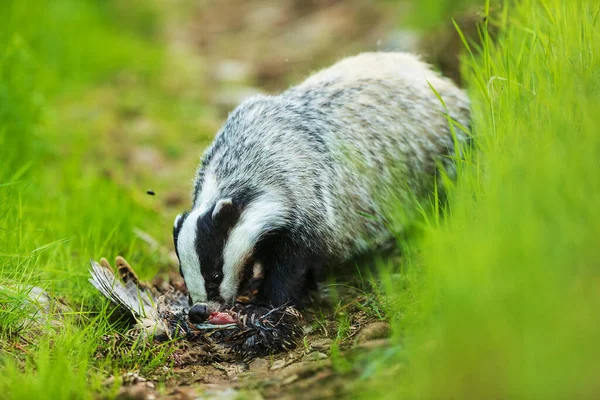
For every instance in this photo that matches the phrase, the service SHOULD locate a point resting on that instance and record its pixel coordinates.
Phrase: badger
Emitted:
(296, 182)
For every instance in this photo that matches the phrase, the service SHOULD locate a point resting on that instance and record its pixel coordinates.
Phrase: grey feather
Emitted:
(138, 301)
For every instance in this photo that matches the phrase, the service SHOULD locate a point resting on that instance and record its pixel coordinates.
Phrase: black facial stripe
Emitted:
(212, 291)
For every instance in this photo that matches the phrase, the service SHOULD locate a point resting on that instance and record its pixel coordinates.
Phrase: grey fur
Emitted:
(333, 148)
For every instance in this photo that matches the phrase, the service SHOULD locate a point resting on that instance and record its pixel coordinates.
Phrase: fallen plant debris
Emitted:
(244, 331)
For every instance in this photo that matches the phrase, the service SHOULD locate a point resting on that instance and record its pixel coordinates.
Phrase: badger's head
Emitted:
(216, 247)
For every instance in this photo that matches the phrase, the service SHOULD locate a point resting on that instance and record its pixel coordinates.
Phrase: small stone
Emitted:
(372, 331)
(290, 379)
(278, 364)
(258, 364)
(315, 356)
(323, 344)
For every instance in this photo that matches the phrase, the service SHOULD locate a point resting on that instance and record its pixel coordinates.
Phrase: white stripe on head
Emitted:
(186, 241)
(261, 216)
(188, 257)
(209, 192)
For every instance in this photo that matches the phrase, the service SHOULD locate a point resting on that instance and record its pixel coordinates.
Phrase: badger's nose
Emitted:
(199, 313)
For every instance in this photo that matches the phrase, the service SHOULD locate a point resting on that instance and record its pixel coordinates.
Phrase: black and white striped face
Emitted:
(216, 243)
(200, 238)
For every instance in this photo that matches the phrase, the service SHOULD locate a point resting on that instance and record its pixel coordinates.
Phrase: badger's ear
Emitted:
(178, 221)
(177, 227)
(225, 210)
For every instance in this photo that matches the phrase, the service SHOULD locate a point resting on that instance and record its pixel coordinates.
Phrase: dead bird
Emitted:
(296, 182)
(244, 333)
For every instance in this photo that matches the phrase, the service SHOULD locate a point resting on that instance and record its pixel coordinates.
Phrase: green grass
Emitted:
(57, 209)
(496, 298)
(507, 295)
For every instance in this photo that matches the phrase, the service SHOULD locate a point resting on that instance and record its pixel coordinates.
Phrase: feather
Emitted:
(127, 294)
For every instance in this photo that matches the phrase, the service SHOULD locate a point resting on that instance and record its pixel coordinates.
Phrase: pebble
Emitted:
(278, 364)
(315, 356)
(323, 344)
(258, 364)
(372, 331)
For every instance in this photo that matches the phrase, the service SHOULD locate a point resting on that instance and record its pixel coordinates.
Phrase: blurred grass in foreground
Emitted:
(507, 304)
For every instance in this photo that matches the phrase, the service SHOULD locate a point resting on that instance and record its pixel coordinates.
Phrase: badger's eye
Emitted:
(216, 276)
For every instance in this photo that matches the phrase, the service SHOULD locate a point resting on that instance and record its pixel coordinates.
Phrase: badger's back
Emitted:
(330, 151)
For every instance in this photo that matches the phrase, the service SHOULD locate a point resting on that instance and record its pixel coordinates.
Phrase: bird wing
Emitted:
(127, 294)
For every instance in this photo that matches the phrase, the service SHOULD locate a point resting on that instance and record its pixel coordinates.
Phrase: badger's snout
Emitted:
(199, 313)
